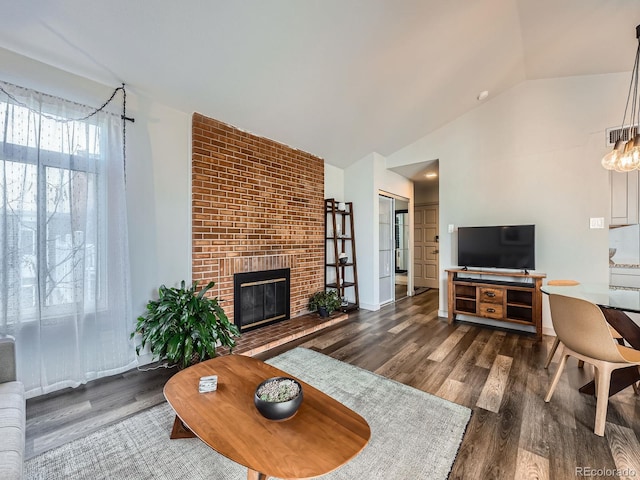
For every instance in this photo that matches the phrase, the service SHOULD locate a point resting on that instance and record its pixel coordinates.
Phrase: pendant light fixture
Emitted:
(626, 156)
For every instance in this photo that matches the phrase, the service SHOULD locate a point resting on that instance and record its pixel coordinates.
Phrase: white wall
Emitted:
(363, 181)
(531, 155)
(159, 198)
(158, 173)
(359, 178)
(334, 183)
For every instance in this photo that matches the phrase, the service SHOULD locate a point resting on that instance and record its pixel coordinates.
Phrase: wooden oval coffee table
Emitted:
(320, 437)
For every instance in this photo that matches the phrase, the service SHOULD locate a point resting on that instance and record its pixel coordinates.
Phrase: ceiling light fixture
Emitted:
(626, 156)
(482, 95)
(431, 175)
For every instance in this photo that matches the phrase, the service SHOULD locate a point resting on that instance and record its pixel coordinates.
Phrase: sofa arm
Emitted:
(7, 360)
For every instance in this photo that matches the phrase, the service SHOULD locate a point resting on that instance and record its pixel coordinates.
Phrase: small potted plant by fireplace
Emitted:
(184, 326)
(325, 302)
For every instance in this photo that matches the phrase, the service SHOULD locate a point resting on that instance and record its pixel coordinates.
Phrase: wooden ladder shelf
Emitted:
(340, 239)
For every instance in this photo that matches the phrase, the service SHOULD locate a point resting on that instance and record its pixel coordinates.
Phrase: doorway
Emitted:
(425, 272)
(394, 256)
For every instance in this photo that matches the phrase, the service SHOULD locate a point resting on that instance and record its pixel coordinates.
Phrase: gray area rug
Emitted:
(414, 435)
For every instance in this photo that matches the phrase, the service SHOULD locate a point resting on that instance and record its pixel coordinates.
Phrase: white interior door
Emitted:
(386, 276)
(426, 246)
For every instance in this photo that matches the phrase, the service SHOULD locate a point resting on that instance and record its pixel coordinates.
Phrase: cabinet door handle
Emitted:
(491, 310)
(490, 294)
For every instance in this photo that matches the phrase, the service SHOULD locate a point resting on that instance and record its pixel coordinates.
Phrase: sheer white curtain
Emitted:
(64, 266)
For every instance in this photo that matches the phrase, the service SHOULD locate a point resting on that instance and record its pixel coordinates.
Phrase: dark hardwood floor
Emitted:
(512, 434)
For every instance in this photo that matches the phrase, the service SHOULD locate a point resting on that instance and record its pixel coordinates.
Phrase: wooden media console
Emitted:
(517, 300)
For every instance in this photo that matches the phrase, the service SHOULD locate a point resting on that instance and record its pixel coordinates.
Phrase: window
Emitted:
(64, 264)
(49, 192)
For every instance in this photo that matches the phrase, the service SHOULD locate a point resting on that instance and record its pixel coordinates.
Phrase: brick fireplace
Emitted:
(256, 205)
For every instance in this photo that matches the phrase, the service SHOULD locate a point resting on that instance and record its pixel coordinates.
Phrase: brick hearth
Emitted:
(272, 336)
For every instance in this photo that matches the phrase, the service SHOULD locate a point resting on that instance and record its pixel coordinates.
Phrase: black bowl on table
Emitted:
(278, 410)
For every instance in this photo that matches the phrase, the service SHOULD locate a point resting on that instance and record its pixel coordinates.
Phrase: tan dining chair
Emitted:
(584, 334)
(556, 341)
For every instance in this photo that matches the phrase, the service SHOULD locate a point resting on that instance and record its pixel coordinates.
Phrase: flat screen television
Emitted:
(506, 246)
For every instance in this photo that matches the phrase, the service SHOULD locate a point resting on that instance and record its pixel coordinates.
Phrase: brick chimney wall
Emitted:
(256, 205)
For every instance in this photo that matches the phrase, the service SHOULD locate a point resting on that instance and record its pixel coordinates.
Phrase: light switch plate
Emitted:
(451, 228)
(596, 222)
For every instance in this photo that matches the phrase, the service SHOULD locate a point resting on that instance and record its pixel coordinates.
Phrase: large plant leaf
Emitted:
(184, 321)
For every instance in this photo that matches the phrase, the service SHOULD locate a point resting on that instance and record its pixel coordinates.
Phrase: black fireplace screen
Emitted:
(260, 298)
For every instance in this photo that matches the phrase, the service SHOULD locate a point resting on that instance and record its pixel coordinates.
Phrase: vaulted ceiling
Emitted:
(337, 78)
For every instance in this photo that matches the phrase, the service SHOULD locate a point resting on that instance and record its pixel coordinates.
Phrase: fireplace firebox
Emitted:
(261, 298)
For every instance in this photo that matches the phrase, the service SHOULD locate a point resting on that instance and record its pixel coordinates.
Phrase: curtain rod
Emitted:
(96, 110)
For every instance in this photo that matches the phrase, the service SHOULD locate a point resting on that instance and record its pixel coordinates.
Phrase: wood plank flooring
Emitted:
(512, 434)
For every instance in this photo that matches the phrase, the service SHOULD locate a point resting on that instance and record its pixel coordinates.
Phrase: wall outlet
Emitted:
(596, 222)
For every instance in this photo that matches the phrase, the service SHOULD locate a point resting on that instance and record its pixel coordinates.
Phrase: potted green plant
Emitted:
(325, 302)
(185, 326)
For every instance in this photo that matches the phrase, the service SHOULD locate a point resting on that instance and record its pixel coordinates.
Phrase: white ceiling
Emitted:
(337, 78)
